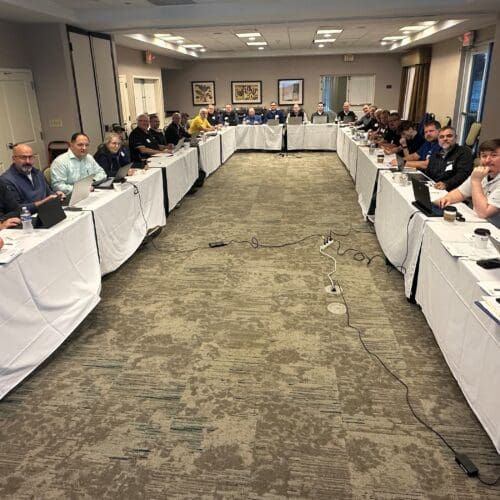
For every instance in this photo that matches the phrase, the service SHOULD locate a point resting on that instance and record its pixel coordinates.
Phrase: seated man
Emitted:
(452, 165)
(27, 184)
(483, 186)
(229, 116)
(391, 137)
(365, 121)
(274, 113)
(420, 158)
(175, 131)
(251, 118)
(142, 144)
(200, 123)
(212, 116)
(320, 111)
(297, 112)
(9, 209)
(74, 165)
(155, 130)
(346, 115)
(410, 141)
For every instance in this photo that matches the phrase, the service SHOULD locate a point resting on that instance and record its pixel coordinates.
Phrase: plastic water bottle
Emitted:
(26, 220)
(226, 121)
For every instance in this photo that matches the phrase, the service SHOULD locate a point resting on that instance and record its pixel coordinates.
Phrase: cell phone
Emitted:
(489, 263)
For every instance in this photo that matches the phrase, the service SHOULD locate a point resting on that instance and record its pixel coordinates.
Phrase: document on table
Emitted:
(491, 307)
(491, 288)
(467, 249)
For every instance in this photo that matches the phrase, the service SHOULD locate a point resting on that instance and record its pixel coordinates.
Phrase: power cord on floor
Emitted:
(463, 460)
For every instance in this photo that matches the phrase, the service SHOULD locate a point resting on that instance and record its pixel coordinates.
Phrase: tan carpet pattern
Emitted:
(219, 373)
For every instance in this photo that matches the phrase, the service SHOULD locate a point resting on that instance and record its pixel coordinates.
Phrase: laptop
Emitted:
(179, 145)
(295, 120)
(81, 189)
(401, 164)
(119, 177)
(319, 119)
(273, 122)
(50, 213)
(423, 199)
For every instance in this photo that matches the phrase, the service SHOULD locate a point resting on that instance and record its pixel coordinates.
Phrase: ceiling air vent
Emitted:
(165, 3)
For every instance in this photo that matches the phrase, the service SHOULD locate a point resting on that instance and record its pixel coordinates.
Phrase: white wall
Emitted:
(177, 83)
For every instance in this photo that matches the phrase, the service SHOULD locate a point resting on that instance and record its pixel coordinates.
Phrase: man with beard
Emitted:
(26, 183)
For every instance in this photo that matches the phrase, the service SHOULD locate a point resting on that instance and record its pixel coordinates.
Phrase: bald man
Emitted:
(26, 183)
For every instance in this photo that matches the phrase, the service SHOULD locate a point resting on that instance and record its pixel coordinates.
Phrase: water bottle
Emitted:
(26, 220)
(226, 121)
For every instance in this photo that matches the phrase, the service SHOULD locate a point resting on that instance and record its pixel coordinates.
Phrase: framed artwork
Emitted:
(290, 91)
(203, 93)
(246, 92)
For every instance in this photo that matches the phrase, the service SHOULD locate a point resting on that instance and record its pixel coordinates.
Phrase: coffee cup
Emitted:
(380, 158)
(481, 237)
(450, 214)
(117, 186)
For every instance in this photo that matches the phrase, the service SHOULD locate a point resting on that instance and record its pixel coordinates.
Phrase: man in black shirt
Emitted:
(155, 131)
(452, 165)
(9, 209)
(141, 143)
(229, 116)
(175, 131)
(346, 115)
(212, 116)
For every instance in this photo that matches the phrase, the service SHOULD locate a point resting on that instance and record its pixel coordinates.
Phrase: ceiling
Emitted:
(288, 26)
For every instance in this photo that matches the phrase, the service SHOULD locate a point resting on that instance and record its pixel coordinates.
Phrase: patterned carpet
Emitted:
(220, 373)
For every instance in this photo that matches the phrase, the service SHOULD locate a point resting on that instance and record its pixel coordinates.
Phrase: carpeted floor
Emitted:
(220, 373)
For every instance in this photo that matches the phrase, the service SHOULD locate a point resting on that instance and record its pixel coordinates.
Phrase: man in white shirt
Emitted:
(483, 186)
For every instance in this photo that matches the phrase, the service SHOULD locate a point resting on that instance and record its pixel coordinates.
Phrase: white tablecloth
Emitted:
(367, 171)
(228, 142)
(347, 149)
(181, 172)
(468, 337)
(312, 137)
(123, 218)
(46, 292)
(209, 154)
(259, 137)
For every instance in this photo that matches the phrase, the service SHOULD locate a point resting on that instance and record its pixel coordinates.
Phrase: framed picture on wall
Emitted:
(290, 91)
(203, 93)
(246, 92)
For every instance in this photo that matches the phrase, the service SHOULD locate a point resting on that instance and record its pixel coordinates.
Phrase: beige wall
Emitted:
(443, 78)
(491, 122)
(14, 49)
(131, 64)
(177, 83)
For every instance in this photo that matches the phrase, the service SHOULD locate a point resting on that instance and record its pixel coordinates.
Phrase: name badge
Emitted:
(449, 167)
(122, 153)
(147, 140)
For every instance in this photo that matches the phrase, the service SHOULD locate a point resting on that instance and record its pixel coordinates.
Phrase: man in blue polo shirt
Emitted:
(274, 113)
(27, 184)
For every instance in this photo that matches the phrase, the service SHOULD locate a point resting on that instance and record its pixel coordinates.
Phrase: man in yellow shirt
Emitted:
(200, 123)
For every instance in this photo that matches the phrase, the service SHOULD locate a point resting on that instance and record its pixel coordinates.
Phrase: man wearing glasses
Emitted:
(26, 183)
(483, 186)
(452, 165)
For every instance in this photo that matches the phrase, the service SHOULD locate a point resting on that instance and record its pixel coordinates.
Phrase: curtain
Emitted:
(417, 101)
(402, 88)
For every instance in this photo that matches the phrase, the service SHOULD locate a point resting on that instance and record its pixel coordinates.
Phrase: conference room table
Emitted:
(309, 136)
(347, 150)
(47, 290)
(262, 137)
(179, 172)
(227, 142)
(209, 153)
(468, 337)
(122, 218)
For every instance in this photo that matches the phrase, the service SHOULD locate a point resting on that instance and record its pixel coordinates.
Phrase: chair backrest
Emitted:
(445, 121)
(48, 176)
(473, 134)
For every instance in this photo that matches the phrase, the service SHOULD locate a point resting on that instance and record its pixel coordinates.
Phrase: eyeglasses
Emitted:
(25, 157)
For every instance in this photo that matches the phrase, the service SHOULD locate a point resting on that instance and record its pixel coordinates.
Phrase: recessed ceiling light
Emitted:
(260, 48)
(203, 50)
(162, 35)
(428, 23)
(327, 35)
(384, 43)
(171, 38)
(252, 38)
(392, 38)
(180, 42)
(329, 30)
(327, 40)
(193, 46)
(248, 35)
(411, 28)
(406, 32)
(321, 45)
(256, 43)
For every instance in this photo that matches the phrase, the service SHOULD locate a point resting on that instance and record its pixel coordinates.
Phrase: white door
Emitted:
(360, 90)
(20, 122)
(145, 96)
(127, 119)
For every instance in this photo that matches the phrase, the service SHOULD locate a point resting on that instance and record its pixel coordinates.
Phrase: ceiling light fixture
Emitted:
(327, 35)
(252, 38)
(260, 48)
(329, 30)
(256, 43)
(203, 50)
(193, 46)
(393, 38)
(428, 23)
(411, 28)
(321, 45)
(327, 40)
(170, 38)
(384, 43)
(248, 35)
(162, 35)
